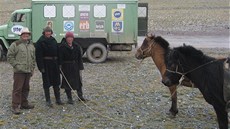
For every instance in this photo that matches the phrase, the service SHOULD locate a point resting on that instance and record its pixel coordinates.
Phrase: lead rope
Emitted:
(118, 121)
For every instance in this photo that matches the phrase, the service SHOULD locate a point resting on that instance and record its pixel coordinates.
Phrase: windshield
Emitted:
(18, 17)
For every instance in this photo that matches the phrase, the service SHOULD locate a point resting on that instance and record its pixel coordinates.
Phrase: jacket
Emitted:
(45, 47)
(21, 55)
(71, 64)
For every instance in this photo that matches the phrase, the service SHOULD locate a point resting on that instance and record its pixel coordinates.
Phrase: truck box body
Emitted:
(114, 20)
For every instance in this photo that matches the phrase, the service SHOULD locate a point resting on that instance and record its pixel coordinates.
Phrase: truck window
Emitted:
(68, 11)
(49, 11)
(99, 11)
(142, 11)
(18, 17)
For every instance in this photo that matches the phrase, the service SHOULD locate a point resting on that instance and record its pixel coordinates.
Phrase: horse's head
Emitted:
(174, 69)
(145, 50)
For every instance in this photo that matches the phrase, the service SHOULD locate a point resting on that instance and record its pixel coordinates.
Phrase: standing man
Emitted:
(48, 64)
(21, 55)
(71, 66)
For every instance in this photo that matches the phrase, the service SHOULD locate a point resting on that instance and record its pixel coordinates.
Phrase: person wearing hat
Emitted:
(71, 66)
(48, 64)
(21, 55)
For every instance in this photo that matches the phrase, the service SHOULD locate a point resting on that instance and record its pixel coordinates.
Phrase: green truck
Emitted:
(99, 26)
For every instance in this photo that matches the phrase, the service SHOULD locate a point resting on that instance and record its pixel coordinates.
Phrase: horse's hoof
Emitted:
(173, 113)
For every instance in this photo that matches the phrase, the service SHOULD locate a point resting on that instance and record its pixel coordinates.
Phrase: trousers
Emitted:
(21, 89)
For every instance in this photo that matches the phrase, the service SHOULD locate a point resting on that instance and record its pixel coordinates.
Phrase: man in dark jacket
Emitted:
(71, 65)
(48, 64)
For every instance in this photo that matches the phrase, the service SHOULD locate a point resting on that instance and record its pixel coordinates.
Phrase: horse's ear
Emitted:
(149, 35)
(152, 35)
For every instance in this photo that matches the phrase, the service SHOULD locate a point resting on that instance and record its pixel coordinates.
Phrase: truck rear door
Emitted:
(142, 19)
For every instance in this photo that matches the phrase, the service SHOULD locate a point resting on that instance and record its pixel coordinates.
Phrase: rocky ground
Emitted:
(123, 92)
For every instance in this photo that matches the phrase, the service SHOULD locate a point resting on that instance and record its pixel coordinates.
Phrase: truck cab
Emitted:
(10, 31)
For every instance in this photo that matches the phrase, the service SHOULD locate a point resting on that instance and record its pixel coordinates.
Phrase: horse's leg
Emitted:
(173, 90)
(222, 116)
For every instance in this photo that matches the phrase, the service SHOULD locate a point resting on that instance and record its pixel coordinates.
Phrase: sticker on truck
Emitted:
(117, 14)
(117, 26)
(100, 25)
(68, 25)
(84, 15)
(16, 29)
(49, 24)
(84, 26)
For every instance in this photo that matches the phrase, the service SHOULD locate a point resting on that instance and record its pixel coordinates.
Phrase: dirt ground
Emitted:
(124, 93)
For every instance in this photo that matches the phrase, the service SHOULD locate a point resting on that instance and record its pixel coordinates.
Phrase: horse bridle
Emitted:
(176, 71)
(147, 50)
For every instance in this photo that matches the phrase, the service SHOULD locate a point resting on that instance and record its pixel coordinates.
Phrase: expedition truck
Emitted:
(99, 26)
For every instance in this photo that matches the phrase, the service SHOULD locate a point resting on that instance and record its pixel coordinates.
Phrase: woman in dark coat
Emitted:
(48, 64)
(71, 65)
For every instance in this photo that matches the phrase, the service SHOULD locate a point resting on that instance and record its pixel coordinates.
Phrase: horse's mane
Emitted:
(190, 51)
(162, 42)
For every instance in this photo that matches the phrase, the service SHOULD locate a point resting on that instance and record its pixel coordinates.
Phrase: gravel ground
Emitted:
(124, 93)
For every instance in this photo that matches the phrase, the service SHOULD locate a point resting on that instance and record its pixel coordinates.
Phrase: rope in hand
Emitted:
(112, 119)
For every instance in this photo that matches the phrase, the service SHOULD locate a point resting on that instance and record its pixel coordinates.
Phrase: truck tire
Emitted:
(97, 53)
(2, 54)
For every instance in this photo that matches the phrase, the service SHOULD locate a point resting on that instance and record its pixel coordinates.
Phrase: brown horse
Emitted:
(157, 47)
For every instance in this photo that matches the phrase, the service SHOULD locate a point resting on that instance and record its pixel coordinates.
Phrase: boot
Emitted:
(16, 111)
(80, 95)
(47, 96)
(27, 107)
(57, 95)
(69, 96)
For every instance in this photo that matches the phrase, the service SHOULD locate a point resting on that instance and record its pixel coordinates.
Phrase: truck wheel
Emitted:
(97, 53)
(2, 54)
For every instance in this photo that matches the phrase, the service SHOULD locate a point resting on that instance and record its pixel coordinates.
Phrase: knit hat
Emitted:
(24, 30)
(47, 29)
(69, 34)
